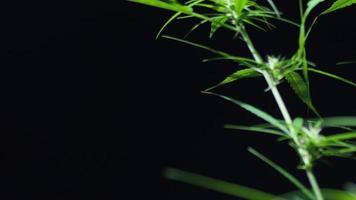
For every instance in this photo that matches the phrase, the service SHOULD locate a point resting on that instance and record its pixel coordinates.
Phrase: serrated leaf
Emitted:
(259, 113)
(216, 24)
(240, 74)
(286, 174)
(300, 87)
(218, 185)
(339, 4)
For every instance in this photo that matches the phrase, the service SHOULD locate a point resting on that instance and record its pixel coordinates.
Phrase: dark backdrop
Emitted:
(93, 107)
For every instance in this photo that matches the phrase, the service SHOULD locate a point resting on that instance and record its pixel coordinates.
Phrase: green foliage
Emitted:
(308, 137)
(216, 24)
(319, 145)
(219, 185)
(311, 5)
(165, 5)
(283, 172)
(256, 129)
(329, 194)
(240, 6)
(339, 4)
(175, 16)
(332, 194)
(239, 74)
(341, 121)
(301, 89)
(298, 124)
(259, 113)
(332, 76)
(249, 193)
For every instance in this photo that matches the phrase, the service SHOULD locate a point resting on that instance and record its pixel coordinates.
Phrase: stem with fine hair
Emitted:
(304, 154)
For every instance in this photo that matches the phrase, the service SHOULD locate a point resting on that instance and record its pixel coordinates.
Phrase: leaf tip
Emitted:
(170, 173)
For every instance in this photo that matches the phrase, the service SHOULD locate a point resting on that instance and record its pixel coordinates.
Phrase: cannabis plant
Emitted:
(309, 137)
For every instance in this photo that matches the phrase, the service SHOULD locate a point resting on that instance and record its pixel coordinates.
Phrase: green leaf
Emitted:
(328, 193)
(332, 76)
(218, 185)
(255, 129)
(311, 5)
(350, 187)
(168, 6)
(221, 53)
(240, 5)
(298, 124)
(282, 171)
(195, 27)
(346, 62)
(334, 194)
(339, 4)
(348, 121)
(167, 23)
(340, 136)
(240, 74)
(218, 52)
(259, 113)
(274, 7)
(216, 24)
(301, 89)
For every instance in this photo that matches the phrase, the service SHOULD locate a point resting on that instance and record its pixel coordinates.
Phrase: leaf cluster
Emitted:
(309, 137)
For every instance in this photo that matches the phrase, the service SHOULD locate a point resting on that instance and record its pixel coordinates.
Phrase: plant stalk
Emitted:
(304, 154)
(250, 45)
(315, 185)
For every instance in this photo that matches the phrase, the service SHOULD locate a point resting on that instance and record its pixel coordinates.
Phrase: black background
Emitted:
(93, 107)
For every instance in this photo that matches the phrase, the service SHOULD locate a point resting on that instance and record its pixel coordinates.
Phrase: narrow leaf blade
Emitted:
(347, 121)
(168, 6)
(282, 171)
(255, 129)
(218, 185)
(240, 74)
(167, 23)
(216, 24)
(339, 4)
(332, 76)
(338, 194)
(311, 5)
(218, 52)
(274, 7)
(259, 113)
(340, 136)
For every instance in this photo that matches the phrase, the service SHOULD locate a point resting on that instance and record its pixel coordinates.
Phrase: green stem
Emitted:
(304, 154)
(250, 45)
(315, 185)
